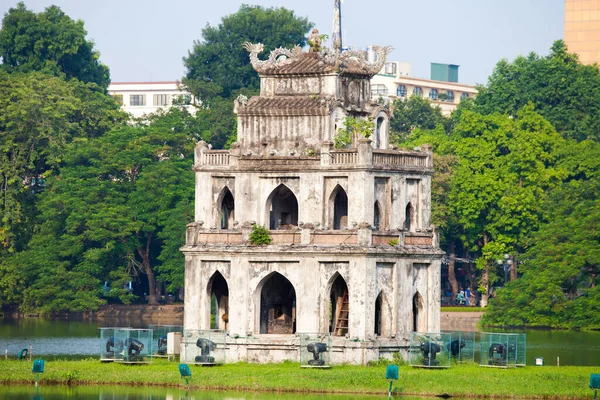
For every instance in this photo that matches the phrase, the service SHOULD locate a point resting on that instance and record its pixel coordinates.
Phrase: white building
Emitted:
(142, 98)
(393, 82)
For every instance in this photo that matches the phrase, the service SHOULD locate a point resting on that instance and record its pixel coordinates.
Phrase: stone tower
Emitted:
(353, 252)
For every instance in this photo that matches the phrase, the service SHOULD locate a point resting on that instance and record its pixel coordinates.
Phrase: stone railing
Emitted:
(197, 236)
(344, 157)
(214, 157)
(394, 158)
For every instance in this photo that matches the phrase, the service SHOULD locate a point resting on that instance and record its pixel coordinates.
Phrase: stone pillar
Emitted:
(234, 154)
(326, 153)
(199, 150)
(365, 234)
(365, 152)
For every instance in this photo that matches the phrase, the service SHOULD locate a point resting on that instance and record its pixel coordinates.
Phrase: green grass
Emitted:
(460, 380)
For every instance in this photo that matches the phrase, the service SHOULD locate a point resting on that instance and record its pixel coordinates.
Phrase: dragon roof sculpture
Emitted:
(295, 61)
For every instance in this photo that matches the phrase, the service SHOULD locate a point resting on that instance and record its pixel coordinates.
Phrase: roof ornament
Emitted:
(277, 57)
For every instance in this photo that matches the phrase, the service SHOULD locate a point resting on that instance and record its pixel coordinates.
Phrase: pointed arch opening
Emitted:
(227, 205)
(379, 314)
(277, 305)
(418, 325)
(378, 132)
(377, 214)
(282, 207)
(409, 218)
(339, 307)
(339, 208)
(218, 293)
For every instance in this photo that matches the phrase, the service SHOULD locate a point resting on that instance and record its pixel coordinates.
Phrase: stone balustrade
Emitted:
(361, 156)
(196, 235)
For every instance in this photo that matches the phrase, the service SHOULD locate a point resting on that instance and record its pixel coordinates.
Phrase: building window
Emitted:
(401, 91)
(433, 94)
(137, 100)
(161, 100)
(464, 96)
(380, 90)
(390, 68)
(418, 92)
(450, 96)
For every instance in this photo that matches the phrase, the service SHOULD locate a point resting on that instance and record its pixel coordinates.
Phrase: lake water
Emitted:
(140, 393)
(72, 339)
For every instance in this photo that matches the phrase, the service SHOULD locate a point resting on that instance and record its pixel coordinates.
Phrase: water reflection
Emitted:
(120, 393)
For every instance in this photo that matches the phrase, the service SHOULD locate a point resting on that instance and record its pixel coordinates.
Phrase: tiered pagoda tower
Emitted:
(353, 250)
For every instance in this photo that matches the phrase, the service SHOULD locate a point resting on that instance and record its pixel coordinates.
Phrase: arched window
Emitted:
(277, 305)
(227, 209)
(433, 94)
(450, 96)
(339, 206)
(418, 321)
(401, 91)
(283, 208)
(377, 216)
(378, 308)
(378, 132)
(464, 96)
(408, 217)
(417, 91)
(340, 307)
(219, 301)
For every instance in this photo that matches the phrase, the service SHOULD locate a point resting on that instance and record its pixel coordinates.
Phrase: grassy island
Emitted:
(458, 381)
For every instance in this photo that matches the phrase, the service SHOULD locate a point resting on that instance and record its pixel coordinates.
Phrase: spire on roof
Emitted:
(336, 35)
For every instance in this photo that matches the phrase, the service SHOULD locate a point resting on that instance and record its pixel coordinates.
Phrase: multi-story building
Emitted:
(142, 98)
(391, 86)
(582, 29)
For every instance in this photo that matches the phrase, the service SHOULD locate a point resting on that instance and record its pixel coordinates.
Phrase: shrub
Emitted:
(259, 236)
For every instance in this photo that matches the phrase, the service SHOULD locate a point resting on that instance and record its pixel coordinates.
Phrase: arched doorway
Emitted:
(339, 307)
(418, 325)
(339, 206)
(378, 314)
(277, 305)
(218, 292)
(282, 206)
(408, 217)
(227, 209)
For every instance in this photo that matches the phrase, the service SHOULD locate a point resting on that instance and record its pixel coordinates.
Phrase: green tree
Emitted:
(559, 286)
(117, 208)
(51, 42)
(39, 115)
(218, 64)
(561, 89)
(415, 113)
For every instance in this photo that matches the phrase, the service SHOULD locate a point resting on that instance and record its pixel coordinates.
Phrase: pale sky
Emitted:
(145, 40)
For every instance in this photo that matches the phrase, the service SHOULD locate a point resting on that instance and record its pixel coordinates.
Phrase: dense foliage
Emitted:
(51, 42)
(515, 174)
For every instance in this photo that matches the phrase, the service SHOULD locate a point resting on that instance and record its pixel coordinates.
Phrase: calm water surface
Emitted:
(120, 393)
(66, 339)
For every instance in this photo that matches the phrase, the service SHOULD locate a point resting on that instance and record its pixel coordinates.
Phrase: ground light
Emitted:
(595, 384)
(38, 368)
(391, 374)
(184, 371)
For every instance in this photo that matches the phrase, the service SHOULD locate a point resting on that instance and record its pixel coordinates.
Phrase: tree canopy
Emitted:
(561, 89)
(219, 65)
(118, 201)
(51, 42)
